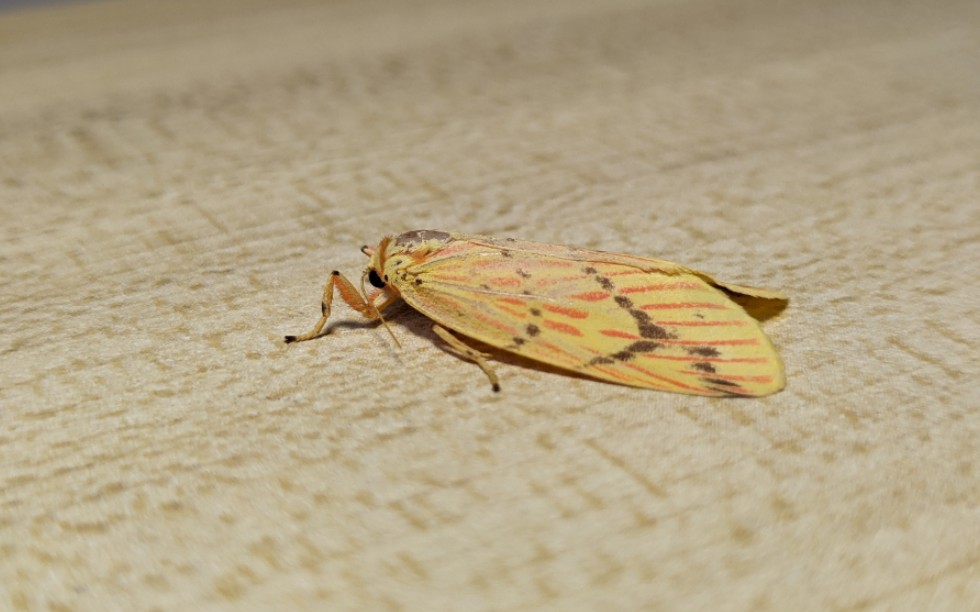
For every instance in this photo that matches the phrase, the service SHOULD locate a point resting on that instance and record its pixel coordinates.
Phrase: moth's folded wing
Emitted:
(672, 331)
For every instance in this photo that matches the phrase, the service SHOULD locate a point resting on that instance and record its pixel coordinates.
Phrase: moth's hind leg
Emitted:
(461, 349)
(349, 294)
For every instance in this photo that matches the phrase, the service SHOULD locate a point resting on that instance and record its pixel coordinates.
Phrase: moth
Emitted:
(619, 318)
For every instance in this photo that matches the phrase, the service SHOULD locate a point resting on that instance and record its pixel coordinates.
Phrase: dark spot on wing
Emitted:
(628, 353)
(536, 312)
(718, 381)
(590, 270)
(605, 283)
(643, 346)
(532, 330)
(506, 254)
(640, 346)
(647, 327)
(704, 367)
(418, 281)
(704, 351)
(485, 286)
(624, 302)
(518, 341)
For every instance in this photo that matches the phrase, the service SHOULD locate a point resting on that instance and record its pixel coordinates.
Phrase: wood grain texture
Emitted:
(177, 179)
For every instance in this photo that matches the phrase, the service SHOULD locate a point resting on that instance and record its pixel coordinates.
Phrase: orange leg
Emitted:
(351, 296)
(461, 349)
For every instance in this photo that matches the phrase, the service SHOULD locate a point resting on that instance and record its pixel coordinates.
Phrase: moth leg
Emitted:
(349, 294)
(461, 349)
(389, 299)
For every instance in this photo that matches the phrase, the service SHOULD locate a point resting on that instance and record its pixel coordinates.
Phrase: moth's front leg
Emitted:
(389, 298)
(348, 293)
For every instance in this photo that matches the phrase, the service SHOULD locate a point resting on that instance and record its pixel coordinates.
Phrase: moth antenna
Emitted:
(382, 251)
(390, 333)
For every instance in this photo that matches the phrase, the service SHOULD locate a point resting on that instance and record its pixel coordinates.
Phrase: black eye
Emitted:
(375, 280)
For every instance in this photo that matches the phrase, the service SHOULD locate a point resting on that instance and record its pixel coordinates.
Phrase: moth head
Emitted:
(393, 253)
(375, 279)
(375, 272)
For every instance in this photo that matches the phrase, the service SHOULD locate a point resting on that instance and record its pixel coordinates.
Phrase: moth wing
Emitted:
(596, 256)
(633, 321)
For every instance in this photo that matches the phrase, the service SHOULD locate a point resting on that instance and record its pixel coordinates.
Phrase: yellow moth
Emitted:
(628, 320)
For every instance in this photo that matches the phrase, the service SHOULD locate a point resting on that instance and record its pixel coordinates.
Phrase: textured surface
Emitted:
(177, 179)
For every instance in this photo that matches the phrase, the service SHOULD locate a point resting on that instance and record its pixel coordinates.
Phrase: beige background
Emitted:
(177, 179)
